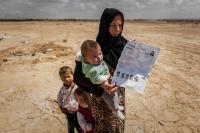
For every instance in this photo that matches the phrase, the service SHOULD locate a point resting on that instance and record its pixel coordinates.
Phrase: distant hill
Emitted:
(93, 20)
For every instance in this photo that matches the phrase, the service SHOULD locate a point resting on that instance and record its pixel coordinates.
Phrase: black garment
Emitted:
(111, 46)
(85, 83)
(111, 49)
(73, 122)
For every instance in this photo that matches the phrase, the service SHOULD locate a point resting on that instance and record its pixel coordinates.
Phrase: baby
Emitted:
(97, 71)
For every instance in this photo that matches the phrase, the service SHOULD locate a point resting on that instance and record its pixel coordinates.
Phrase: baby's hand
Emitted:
(109, 88)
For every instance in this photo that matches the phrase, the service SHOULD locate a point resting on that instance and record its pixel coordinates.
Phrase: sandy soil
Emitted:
(31, 54)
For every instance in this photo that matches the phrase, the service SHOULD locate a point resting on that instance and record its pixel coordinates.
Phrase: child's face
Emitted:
(94, 56)
(67, 78)
(81, 101)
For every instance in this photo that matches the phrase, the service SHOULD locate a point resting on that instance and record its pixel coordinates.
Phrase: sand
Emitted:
(31, 54)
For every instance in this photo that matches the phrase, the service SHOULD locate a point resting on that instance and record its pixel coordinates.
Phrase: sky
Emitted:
(92, 9)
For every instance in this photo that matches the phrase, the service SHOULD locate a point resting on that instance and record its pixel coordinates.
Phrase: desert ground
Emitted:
(32, 52)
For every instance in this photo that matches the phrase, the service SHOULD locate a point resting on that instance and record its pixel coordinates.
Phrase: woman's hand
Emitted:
(109, 88)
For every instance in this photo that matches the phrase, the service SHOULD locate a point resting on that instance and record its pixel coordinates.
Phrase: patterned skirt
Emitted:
(105, 121)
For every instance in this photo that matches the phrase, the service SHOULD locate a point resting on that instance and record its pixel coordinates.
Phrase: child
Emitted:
(97, 71)
(84, 115)
(66, 100)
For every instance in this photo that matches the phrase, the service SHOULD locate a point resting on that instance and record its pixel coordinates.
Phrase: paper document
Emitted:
(134, 65)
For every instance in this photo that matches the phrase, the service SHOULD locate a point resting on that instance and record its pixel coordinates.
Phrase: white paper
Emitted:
(134, 65)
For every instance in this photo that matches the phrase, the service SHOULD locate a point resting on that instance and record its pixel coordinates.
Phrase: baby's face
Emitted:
(94, 56)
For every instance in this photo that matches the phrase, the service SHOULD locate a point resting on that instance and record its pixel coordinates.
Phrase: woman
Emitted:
(112, 44)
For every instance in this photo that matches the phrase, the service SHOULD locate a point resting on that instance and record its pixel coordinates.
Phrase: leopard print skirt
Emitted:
(105, 121)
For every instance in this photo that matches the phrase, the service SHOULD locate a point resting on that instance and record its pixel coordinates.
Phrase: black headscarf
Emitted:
(111, 46)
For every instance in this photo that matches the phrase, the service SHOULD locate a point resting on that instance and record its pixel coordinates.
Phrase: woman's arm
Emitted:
(85, 83)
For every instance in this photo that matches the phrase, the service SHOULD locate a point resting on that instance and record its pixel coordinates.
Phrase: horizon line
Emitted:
(73, 19)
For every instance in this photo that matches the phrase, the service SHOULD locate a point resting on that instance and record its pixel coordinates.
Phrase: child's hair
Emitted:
(65, 69)
(87, 46)
(80, 92)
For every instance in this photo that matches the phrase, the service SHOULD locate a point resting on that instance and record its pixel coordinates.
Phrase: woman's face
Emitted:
(115, 27)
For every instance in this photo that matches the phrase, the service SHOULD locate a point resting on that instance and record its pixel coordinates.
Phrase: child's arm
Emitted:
(59, 100)
(63, 110)
(83, 123)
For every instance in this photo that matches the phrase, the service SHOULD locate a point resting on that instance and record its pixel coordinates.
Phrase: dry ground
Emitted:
(31, 54)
